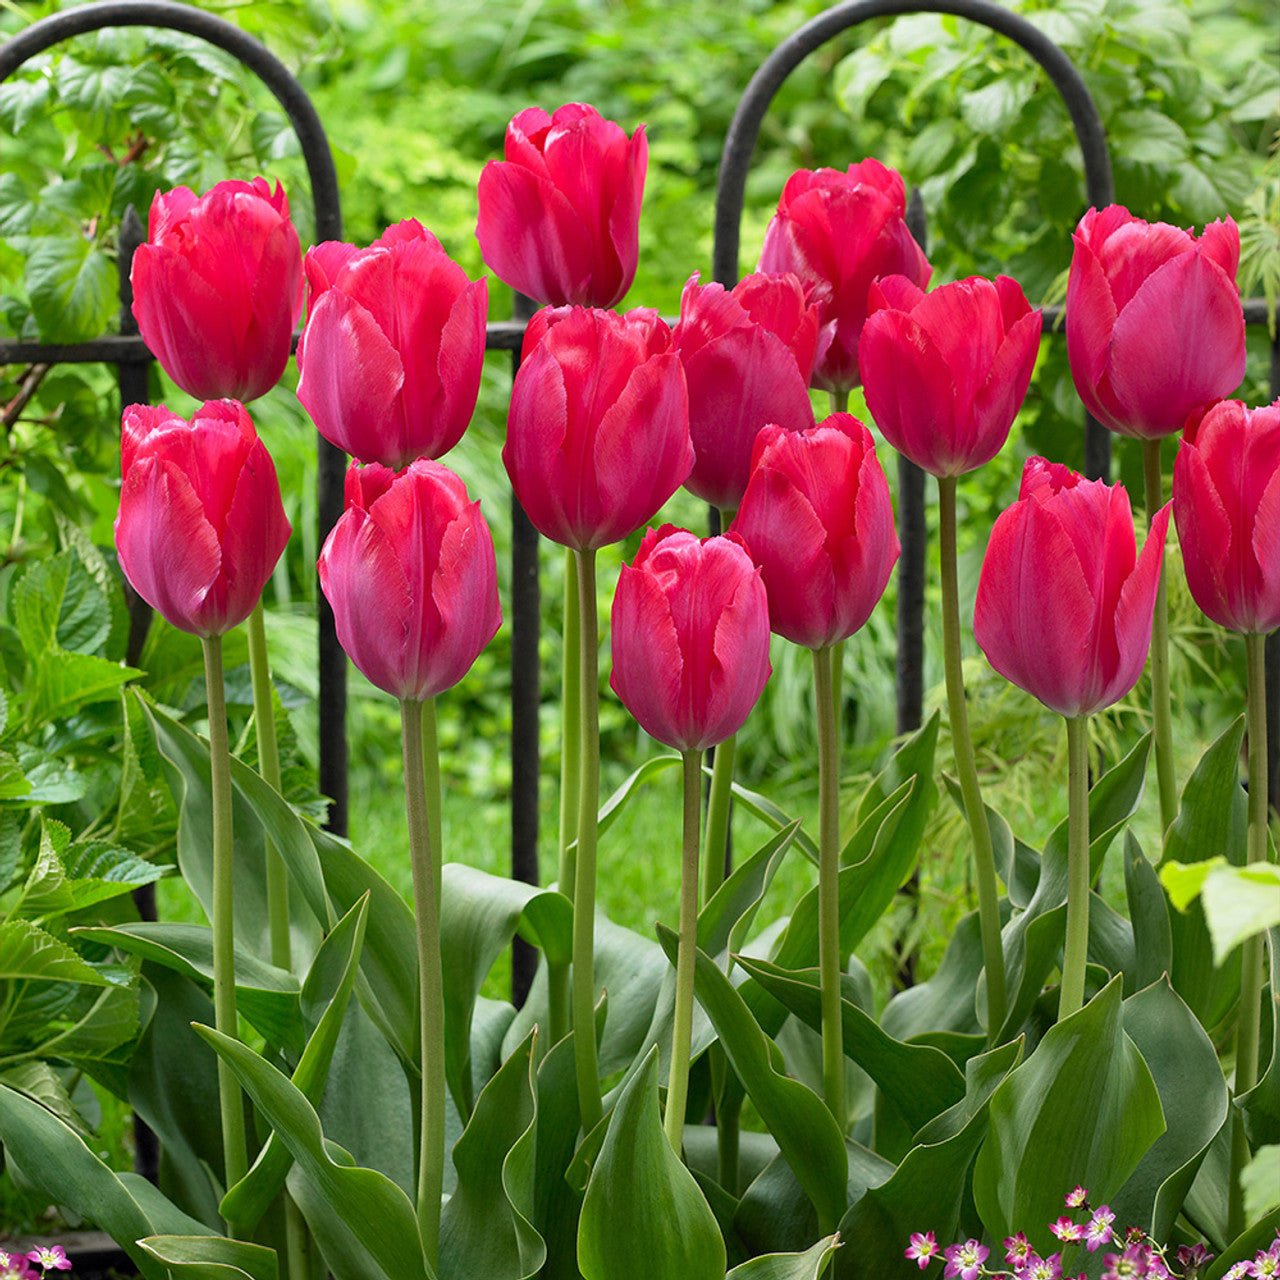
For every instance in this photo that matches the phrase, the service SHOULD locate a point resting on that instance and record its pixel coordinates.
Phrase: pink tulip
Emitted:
(559, 218)
(1064, 601)
(838, 232)
(747, 356)
(690, 637)
(200, 525)
(1154, 323)
(817, 518)
(944, 373)
(598, 432)
(410, 572)
(1226, 503)
(391, 356)
(217, 288)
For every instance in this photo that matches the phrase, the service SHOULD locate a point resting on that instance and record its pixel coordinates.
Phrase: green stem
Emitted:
(430, 981)
(231, 1105)
(966, 765)
(277, 877)
(1248, 1027)
(584, 893)
(718, 804)
(570, 727)
(1076, 950)
(431, 780)
(828, 887)
(1161, 714)
(682, 1028)
(728, 1132)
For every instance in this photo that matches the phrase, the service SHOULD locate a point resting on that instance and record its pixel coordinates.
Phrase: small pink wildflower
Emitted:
(964, 1260)
(1067, 1231)
(1266, 1264)
(1237, 1272)
(1098, 1231)
(1037, 1268)
(1123, 1266)
(923, 1248)
(1077, 1198)
(13, 1266)
(1017, 1249)
(46, 1258)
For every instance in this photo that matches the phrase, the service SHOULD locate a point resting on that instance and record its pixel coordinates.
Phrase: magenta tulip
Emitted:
(410, 572)
(838, 232)
(1155, 328)
(944, 373)
(217, 288)
(818, 521)
(391, 356)
(747, 357)
(1064, 601)
(598, 432)
(559, 218)
(1226, 504)
(200, 525)
(690, 637)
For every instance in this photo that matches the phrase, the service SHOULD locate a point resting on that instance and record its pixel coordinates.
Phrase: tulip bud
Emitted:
(1155, 328)
(1064, 601)
(1226, 503)
(944, 373)
(559, 217)
(393, 348)
(410, 572)
(598, 432)
(217, 288)
(818, 521)
(200, 525)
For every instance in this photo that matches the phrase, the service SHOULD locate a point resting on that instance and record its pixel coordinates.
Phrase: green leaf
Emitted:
(212, 1257)
(57, 604)
(556, 1204)
(85, 874)
(725, 920)
(1082, 1109)
(29, 953)
(485, 1228)
(612, 808)
(1260, 1182)
(808, 1265)
(1239, 902)
(66, 681)
(945, 1002)
(1149, 914)
(1261, 1105)
(764, 809)
(71, 284)
(642, 1205)
(365, 1225)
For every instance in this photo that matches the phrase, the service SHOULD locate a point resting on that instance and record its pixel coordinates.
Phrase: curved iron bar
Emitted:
(331, 461)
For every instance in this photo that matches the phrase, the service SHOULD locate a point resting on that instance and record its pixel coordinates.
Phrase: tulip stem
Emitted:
(1161, 715)
(829, 887)
(966, 765)
(431, 780)
(423, 857)
(231, 1105)
(570, 727)
(1248, 1026)
(682, 1028)
(1076, 949)
(718, 804)
(584, 893)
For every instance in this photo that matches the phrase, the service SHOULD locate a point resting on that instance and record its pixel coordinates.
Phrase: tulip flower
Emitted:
(410, 572)
(1226, 491)
(217, 288)
(391, 355)
(818, 520)
(690, 637)
(598, 432)
(945, 373)
(747, 356)
(559, 217)
(837, 232)
(200, 525)
(1155, 328)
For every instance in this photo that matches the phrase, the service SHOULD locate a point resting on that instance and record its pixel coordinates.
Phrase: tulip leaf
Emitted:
(808, 1265)
(365, 1224)
(1149, 915)
(1193, 1097)
(930, 1183)
(945, 1002)
(1082, 1109)
(212, 1257)
(764, 809)
(805, 1130)
(913, 759)
(485, 1228)
(1261, 1105)
(611, 810)
(642, 1206)
(725, 920)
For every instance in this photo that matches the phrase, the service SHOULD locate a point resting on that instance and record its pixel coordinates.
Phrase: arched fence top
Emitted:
(744, 129)
(247, 49)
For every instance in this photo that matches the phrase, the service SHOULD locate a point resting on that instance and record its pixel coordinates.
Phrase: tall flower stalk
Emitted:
(1076, 949)
(1161, 708)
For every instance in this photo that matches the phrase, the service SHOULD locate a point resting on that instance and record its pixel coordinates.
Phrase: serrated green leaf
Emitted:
(57, 604)
(71, 285)
(30, 953)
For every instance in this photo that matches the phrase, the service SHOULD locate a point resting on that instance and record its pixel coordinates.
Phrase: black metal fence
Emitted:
(131, 357)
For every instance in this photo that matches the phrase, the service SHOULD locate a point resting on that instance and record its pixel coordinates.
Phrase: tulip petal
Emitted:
(256, 534)
(1000, 397)
(1205, 533)
(648, 663)
(1133, 614)
(1091, 316)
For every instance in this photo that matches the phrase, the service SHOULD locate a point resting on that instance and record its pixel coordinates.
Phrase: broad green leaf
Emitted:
(1239, 902)
(29, 953)
(101, 1032)
(764, 809)
(57, 605)
(1261, 1105)
(642, 1206)
(913, 759)
(1082, 1109)
(556, 1204)
(71, 284)
(364, 1223)
(946, 1001)
(775, 1215)
(727, 918)
(808, 1265)
(212, 1257)
(1257, 1237)
(1149, 914)
(485, 1228)
(42, 1084)
(67, 681)
(805, 1130)
(612, 808)
(1260, 1182)
(82, 875)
